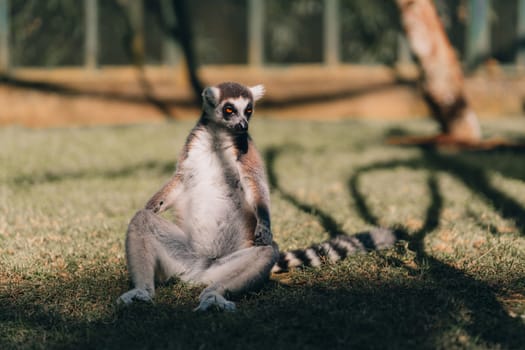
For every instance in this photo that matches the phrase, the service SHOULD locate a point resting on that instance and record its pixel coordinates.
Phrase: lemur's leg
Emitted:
(155, 247)
(236, 273)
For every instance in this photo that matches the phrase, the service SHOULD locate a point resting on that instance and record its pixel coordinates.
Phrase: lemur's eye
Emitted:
(227, 109)
(249, 110)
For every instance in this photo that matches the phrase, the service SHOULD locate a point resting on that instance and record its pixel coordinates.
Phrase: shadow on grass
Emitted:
(487, 319)
(327, 222)
(79, 313)
(126, 171)
(349, 312)
(477, 179)
(458, 292)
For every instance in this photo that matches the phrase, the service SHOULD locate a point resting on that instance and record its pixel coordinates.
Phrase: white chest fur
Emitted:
(213, 197)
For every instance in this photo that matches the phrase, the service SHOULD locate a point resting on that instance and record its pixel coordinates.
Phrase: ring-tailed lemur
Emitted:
(222, 234)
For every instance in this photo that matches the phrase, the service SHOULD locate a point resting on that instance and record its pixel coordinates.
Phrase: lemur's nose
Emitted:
(242, 126)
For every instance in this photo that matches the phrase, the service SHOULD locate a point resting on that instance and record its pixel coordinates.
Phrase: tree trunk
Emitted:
(442, 75)
(178, 25)
(186, 39)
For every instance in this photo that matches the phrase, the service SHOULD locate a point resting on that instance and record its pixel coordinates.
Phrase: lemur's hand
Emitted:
(156, 204)
(263, 235)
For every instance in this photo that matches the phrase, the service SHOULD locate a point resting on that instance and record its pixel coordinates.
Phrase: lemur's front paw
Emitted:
(155, 205)
(263, 235)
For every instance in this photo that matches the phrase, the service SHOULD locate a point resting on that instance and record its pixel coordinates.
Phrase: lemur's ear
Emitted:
(257, 91)
(210, 95)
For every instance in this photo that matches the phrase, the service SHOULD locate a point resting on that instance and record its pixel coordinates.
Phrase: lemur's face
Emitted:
(231, 105)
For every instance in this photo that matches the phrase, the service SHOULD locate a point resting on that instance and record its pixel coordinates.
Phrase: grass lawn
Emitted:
(457, 280)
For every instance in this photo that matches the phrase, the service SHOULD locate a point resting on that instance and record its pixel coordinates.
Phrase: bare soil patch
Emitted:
(117, 95)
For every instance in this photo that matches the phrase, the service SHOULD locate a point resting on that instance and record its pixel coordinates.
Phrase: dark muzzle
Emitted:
(241, 126)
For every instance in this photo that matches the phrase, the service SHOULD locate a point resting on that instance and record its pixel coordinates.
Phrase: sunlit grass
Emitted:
(457, 279)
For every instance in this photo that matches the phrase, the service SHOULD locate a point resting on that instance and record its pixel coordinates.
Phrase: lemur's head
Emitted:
(230, 105)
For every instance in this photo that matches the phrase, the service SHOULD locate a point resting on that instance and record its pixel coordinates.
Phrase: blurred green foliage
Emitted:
(370, 30)
(51, 33)
(46, 33)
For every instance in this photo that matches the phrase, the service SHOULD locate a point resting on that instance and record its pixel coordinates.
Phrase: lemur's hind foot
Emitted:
(134, 295)
(214, 299)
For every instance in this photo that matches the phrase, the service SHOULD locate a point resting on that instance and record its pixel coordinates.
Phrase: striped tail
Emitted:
(336, 249)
